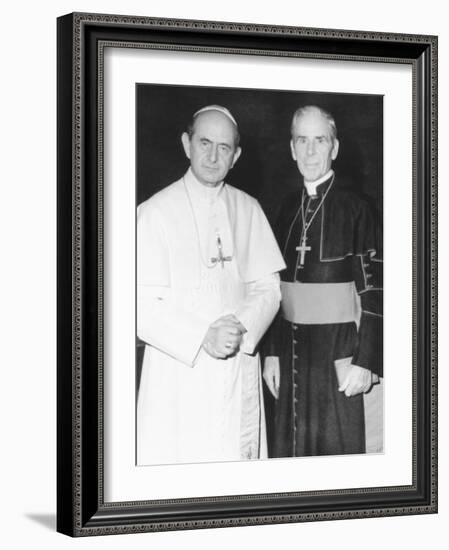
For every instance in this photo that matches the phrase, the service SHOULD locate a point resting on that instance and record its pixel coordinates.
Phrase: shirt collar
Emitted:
(201, 191)
(311, 186)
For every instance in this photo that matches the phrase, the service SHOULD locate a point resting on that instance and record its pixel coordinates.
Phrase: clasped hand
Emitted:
(224, 337)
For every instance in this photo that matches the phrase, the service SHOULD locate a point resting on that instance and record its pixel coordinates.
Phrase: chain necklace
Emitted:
(220, 258)
(303, 248)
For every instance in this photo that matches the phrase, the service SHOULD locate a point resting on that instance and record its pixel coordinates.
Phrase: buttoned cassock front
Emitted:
(331, 316)
(192, 407)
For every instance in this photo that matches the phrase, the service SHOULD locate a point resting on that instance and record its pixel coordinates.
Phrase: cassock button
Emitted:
(365, 265)
(295, 356)
(369, 275)
(295, 342)
(369, 286)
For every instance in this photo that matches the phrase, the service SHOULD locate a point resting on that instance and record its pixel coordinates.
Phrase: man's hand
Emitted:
(358, 380)
(233, 319)
(272, 375)
(223, 337)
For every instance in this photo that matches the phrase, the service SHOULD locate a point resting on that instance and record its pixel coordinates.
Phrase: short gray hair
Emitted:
(314, 109)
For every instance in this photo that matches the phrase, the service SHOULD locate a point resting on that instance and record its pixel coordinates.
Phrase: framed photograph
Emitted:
(247, 275)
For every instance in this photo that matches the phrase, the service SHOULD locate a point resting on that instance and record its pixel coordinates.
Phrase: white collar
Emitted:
(200, 191)
(311, 186)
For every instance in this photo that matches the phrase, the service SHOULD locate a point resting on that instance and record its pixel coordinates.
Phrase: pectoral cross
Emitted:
(303, 249)
(220, 258)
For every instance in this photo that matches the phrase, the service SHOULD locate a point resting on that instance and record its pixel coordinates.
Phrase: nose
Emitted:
(213, 153)
(310, 147)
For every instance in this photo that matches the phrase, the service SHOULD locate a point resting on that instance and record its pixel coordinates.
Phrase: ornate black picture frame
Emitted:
(81, 508)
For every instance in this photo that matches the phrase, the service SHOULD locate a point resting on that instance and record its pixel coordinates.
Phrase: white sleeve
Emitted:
(160, 322)
(164, 325)
(258, 310)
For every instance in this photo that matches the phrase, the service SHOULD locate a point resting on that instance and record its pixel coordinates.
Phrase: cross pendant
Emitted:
(220, 258)
(303, 249)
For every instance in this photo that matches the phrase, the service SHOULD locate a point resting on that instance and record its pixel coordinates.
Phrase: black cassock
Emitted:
(311, 416)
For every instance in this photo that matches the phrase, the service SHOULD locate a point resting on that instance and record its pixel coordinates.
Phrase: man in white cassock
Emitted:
(207, 290)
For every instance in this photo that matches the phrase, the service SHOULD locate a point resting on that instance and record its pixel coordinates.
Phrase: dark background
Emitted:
(265, 169)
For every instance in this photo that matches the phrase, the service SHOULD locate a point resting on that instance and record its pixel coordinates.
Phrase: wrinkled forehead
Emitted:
(312, 124)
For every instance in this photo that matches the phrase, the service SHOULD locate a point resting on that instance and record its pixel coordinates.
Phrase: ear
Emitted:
(292, 149)
(335, 148)
(186, 144)
(237, 154)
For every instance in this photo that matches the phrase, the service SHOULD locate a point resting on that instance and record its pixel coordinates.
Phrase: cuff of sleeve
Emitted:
(369, 354)
(248, 345)
(192, 346)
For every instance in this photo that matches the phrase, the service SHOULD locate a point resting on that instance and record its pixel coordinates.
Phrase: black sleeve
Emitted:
(368, 277)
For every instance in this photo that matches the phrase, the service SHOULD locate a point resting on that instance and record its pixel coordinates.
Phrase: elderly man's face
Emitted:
(312, 147)
(211, 149)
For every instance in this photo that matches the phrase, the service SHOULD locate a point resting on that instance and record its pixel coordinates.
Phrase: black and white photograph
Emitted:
(222, 321)
(259, 261)
(246, 289)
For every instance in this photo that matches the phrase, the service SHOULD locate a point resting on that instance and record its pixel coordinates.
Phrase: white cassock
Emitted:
(192, 407)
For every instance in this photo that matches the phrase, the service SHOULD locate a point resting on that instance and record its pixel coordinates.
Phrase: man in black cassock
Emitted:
(325, 347)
